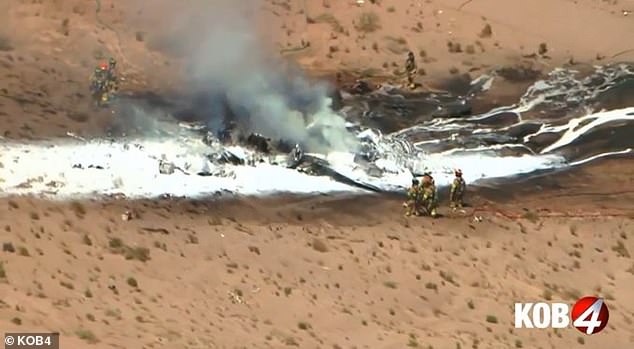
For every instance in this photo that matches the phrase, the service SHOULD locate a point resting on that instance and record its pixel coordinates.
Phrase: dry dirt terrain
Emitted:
(49, 48)
(318, 272)
(321, 272)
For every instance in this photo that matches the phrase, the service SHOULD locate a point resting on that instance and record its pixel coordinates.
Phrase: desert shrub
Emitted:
(368, 22)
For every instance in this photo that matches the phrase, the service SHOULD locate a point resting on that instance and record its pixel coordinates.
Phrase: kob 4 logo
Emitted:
(588, 315)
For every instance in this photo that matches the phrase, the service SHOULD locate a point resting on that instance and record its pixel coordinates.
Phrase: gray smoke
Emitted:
(227, 57)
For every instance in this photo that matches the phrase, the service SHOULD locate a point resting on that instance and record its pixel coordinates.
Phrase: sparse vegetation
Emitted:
(8, 247)
(192, 239)
(542, 49)
(79, 10)
(390, 284)
(547, 294)
(22, 251)
(572, 294)
(519, 73)
(330, 19)
(368, 22)
(87, 335)
(492, 319)
(303, 325)
(78, 208)
(137, 253)
(5, 44)
(16, 321)
(141, 254)
(160, 245)
(319, 245)
(3, 273)
(487, 31)
(454, 47)
(86, 240)
(413, 342)
(532, 216)
(447, 277)
(139, 36)
(290, 341)
(621, 250)
(66, 284)
(65, 27)
(78, 116)
(113, 313)
(115, 243)
(396, 45)
(132, 282)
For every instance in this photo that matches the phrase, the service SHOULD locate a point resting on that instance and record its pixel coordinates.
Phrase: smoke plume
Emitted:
(228, 60)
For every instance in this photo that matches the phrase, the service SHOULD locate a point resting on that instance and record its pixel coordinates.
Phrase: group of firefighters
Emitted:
(104, 81)
(422, 198)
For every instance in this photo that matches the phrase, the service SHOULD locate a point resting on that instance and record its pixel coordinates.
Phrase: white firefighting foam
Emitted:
(75, 169)
(66, 169)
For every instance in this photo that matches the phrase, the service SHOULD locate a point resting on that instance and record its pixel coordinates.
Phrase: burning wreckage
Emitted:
(379, 157)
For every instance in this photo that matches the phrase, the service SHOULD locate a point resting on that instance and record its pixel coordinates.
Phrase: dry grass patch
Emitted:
(3, 272)
(137, 253)
(87, 336)
(329, 19)
(319, 246)
(621, 250)
(486, 32)
(368, 22)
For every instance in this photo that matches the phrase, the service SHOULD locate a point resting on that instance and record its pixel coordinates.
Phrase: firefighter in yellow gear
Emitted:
(428, 195)
(458, 188)
(412, 205)
(99, 86)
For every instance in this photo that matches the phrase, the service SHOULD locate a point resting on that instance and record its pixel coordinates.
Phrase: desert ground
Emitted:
(310, 272)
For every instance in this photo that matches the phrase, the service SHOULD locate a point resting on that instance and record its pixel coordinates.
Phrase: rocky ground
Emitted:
(212, 274)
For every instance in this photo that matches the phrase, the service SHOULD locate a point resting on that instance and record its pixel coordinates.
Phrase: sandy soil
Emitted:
(321, 272)
(219, 273)
(48, 48)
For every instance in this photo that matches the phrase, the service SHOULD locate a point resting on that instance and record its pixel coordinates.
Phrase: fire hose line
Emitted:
(554, 214)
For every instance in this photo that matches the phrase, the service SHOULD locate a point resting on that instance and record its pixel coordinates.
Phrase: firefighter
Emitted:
(458, 188)
(412, 205)
(411, 69)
